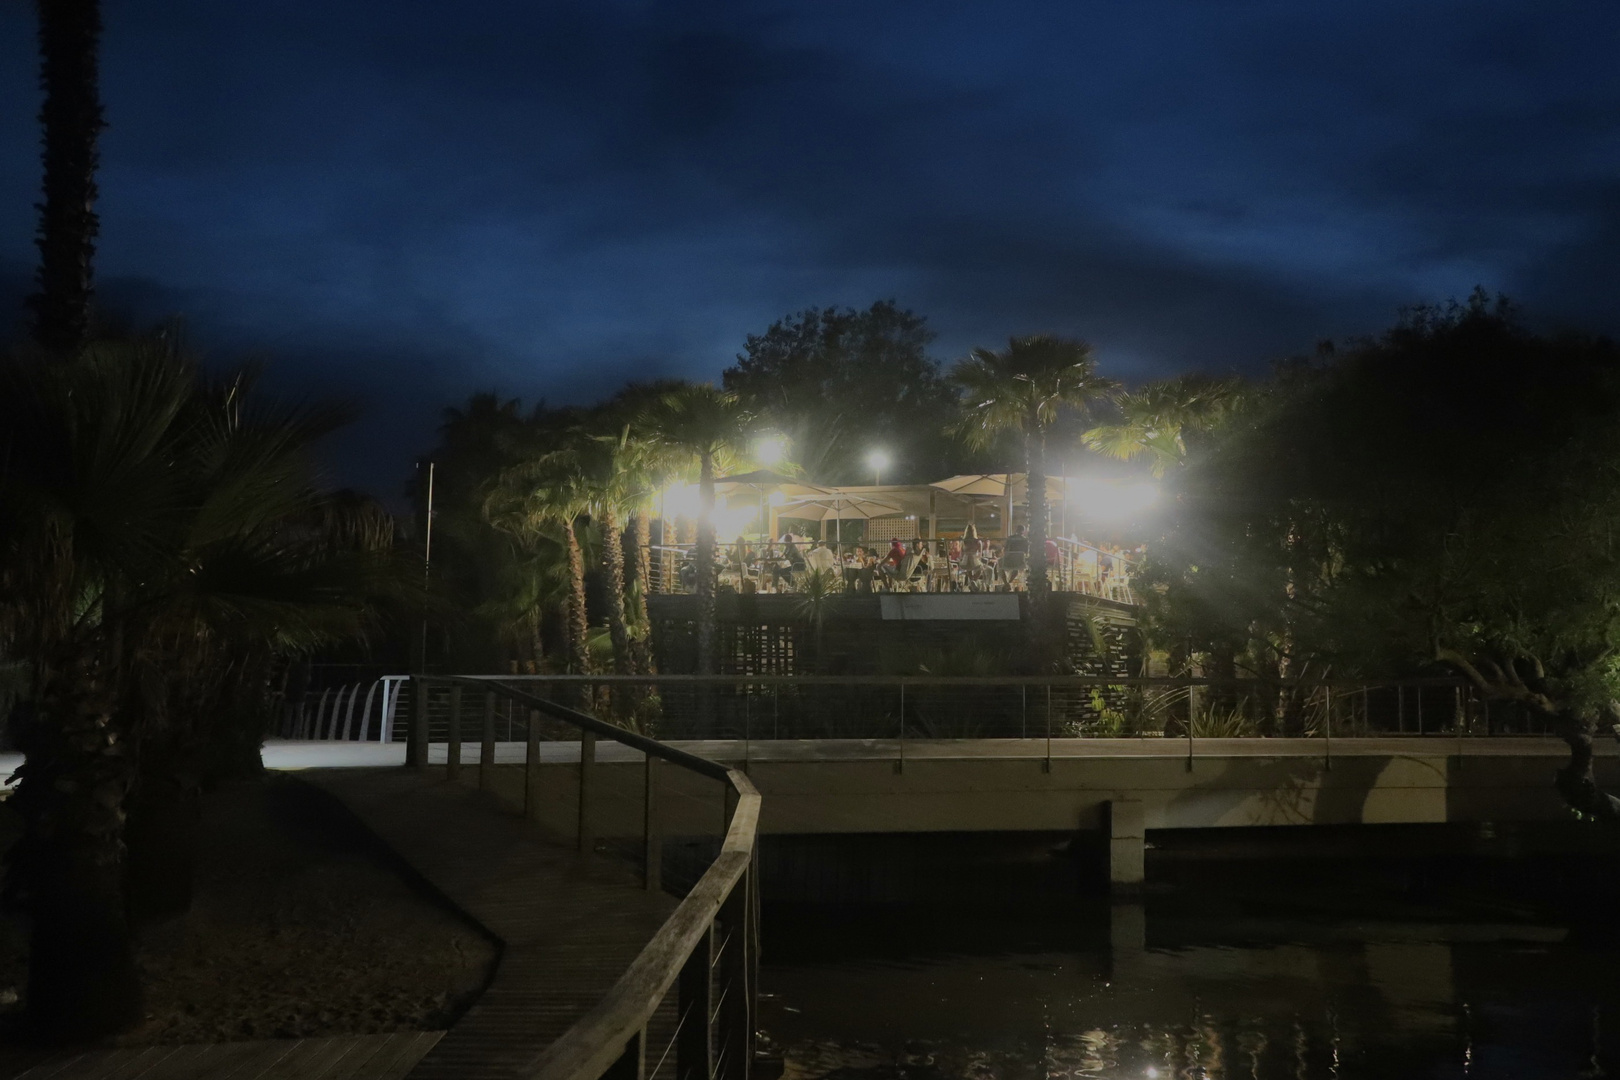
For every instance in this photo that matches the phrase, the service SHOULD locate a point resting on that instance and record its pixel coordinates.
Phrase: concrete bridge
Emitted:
(1128, 787)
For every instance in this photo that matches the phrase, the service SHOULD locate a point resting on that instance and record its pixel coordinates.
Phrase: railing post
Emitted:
(735, 1034)
(587, 766)
(416, 747)
(694, 1050)
(900, 762)
(1327, 729)
(632, 1064)
(1047, 765)
(531, 767)
(652, 874)
(452, 746)
(486, 744)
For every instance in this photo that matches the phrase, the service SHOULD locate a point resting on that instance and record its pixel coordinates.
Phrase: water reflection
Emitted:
(1328, 1000)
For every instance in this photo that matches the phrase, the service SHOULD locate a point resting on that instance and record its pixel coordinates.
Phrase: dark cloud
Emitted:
(413, 200)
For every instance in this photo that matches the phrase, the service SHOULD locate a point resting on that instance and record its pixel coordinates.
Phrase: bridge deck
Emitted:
(291, 754)
(569, 926)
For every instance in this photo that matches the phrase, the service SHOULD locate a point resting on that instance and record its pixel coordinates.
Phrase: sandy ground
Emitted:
(303, 925)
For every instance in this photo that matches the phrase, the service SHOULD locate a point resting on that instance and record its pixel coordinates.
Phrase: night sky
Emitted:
(408, 201)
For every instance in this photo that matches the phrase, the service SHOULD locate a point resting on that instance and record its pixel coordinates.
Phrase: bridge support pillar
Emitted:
(1127, 845)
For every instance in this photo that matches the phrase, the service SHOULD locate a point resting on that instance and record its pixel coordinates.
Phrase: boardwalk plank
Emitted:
(570, 925)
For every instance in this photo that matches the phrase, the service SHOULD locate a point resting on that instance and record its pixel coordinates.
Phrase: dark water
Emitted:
(1347, 970)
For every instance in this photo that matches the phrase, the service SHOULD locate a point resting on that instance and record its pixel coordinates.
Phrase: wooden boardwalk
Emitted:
(343, 1057)
(569, 926)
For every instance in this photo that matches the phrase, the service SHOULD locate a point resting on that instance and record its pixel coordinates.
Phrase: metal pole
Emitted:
(900, 762)
(1047, 767)
(452, 746)
(486, 744)
(531, 767)
(652, 873)
(1327, 728)
(416, 749)
(427, 558)
(587, 765)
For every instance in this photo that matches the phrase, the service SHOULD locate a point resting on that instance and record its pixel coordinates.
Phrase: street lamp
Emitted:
(771, 450)
(878, 460)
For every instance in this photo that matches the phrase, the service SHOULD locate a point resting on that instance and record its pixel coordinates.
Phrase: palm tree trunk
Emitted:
(640, 545)
(68, 867)
(706, 617)
(69, 38)
(579, 660)
(1035, 482)
(613, 571)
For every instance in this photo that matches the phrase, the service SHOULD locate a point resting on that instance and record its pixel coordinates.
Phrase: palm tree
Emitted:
(546, 496)
(1021, 389)
(706, 425)
(161, 543)
(69, 40)
(1155, 421)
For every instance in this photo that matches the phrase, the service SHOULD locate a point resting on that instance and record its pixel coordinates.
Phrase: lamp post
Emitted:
(878, 460)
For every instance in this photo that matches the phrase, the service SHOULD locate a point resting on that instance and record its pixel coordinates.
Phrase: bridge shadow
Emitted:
(1302, 791)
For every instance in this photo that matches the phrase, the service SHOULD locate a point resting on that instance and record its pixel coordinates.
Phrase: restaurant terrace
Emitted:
(773, 533)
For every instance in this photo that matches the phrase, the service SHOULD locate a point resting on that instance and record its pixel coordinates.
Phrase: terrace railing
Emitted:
(891, 712)
(1081, 568)
(707, 951)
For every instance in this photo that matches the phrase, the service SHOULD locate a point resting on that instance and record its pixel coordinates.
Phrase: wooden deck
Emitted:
(569, 926)
(344, 1057)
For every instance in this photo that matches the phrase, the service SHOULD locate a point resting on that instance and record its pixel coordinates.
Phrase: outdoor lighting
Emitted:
(1105, 500)
(878, 460)
(771, 450)
(777, 498)
(730, 522)
(682, 500)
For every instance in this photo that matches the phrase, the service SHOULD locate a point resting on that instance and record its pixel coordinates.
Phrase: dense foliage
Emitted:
(1441, 499)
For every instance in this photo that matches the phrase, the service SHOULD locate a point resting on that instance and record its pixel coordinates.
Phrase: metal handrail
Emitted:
(611, 1037)
(923, 680)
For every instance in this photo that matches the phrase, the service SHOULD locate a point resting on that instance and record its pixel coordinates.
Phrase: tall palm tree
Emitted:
(547, 496)
(156, 533)
(69, 41)
(706, 425)
(1022, 389)
(1154, 422)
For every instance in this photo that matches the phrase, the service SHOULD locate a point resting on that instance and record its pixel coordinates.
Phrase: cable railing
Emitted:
(706, 952)
(928, 566)
(741, 716)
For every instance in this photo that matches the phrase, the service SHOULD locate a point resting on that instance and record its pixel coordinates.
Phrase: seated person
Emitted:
(894, 560)
(821, 557)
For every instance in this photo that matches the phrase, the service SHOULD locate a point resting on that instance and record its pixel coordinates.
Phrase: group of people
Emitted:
(967, 562)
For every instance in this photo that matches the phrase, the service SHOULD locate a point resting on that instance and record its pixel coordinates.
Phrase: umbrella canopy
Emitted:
(763, 479)
(994, 487)
(833, 506)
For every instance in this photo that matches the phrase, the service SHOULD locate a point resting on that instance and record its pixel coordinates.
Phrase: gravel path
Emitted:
(303, 925)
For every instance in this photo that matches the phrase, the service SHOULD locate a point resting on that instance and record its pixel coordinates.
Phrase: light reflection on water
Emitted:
(1321, 1007)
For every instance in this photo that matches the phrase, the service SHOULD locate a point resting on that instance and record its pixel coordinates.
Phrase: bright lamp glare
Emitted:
(733, 520)
(771, 450)
(1105, 500)
(776, 498)
(878, 460)
(682, 500)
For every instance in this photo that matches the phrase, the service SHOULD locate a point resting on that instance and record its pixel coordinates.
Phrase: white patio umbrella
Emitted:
(837, 508)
